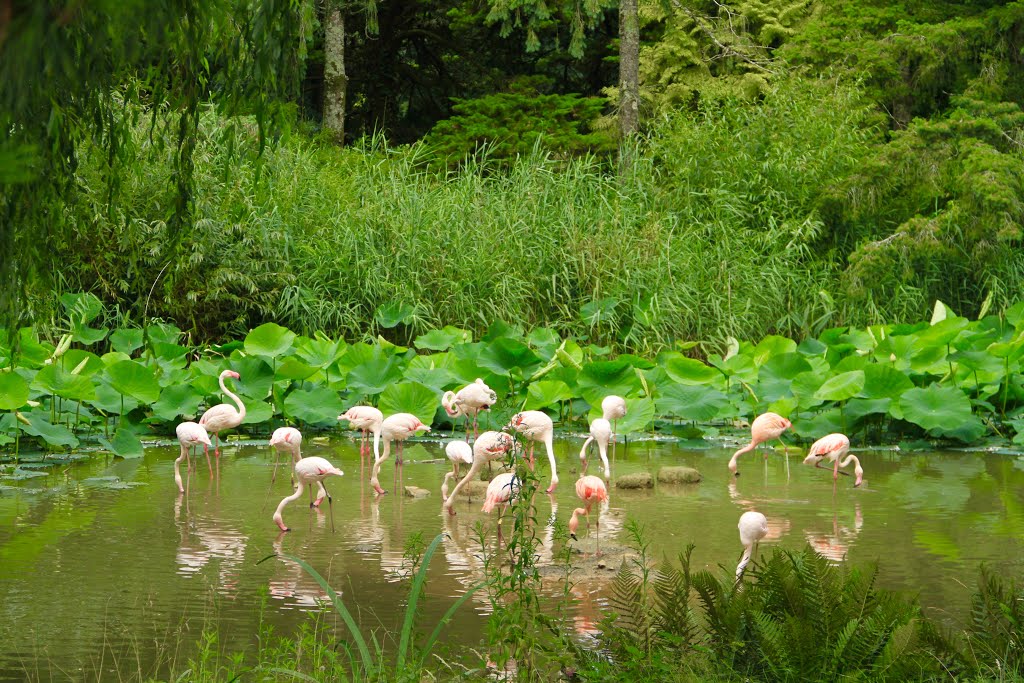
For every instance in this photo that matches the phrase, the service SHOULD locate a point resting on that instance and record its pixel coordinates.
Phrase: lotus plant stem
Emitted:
(1006, 383)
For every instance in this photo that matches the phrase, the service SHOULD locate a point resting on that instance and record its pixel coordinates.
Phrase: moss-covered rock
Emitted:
(637, 480)
(679, 475)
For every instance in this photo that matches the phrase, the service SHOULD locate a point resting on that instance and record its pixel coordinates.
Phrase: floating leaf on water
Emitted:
(21, 474)
(111, 483)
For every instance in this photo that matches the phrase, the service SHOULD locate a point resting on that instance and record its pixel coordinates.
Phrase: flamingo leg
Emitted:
(330, 505)
(206, 451)
(532, 443)
(597, 532)
(216, 444)
(818, 465)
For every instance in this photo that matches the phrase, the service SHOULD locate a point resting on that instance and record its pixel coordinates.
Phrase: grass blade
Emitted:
(414, 595)
(429, 644)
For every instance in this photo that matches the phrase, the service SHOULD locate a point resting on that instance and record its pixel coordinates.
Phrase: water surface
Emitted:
(104, 559)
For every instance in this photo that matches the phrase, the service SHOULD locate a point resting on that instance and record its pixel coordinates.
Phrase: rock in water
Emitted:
(639, 480)
(679, 475)
(416, 492)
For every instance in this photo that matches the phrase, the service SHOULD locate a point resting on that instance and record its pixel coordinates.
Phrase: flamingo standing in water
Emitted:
(397, 427)
(190, 435)
(613, 408)
(366, 419)
(536, 426)
(832, 448)
(601, 432)
(309, 471)
(458, 452)
(223, 415)
(288, 440)
(502, 489)
(753, 527)
(589, 489)
(764, 428)
(488, 446)
(469, 401)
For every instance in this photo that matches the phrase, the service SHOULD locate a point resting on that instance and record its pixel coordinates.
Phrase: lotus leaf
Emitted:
(784, 406)
(31, 352)
(177, 400)
(884, 381)
(258, 412)
(13, 391)
(320, 352)
(853, 362)
(856, 408)
(436, 378)
(134, 379)
(505, 355)
(546, 393)
(545, 340)
(21, 474)
(640, 414)
(126, 340)
(357, 354)
(410, 397)
(740, 367)
(376, 375)
(81, 362)
(695, 403)
(935, 407)
(824, 422)
(125, 444)
(294, 369)
(499, 329)
(55, 435)
(598, 311)
(256, 376)
(269, 339)
(841, 387)
(110, 401)
(81, 306)
(53, 380)
(443, 339)
(770, 347)
(1015, 315)
(163, 333)
(315, 405)
(776, 375)
(689, 371)
(805, 388)
(812, 347)
(604, 377)
(114, 357)
(393, 314)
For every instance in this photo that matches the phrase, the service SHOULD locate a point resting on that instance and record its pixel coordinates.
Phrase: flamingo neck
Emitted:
(735, 456)
(376, 443)
(850, 458)
(238, 401)
(296, 454)
(743, 561)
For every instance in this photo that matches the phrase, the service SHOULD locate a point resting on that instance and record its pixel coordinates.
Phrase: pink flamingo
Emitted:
(764, 428)
(308, 471)
(288, 440)
(223, 415)
(190, 435)
(589, 489)
(601, 432)
(487, 447)
(367, 419)
(397, 427)
(469, 401)
(753, 527)
(832, 448)
(535, 425)
(613, 407)
(500, 490)
(458, 452)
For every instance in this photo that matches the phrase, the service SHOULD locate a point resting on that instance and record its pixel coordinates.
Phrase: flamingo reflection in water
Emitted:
(837, 544)
(370, 537)
(777, 526)
(292, 584)
(204, 541)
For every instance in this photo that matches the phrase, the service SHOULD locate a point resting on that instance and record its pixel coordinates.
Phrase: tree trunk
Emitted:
(335, 80)
(629, 68)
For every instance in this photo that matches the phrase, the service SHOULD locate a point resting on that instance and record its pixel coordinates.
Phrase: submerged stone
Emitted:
(416, 492)
(637, 480)
(474, 489)
(679, 475)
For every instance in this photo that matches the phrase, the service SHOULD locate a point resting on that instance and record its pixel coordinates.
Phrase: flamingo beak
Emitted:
(573, 536)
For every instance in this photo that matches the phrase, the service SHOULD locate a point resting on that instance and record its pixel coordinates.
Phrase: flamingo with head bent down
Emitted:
(366, 419)
(190, 435)
(458, 452)
(832, 448)
(753, 527)
(590, 490)
(223, 415)
(536, 426)
(601, 432)
(309, 471)
(764, 428)
(488, 446)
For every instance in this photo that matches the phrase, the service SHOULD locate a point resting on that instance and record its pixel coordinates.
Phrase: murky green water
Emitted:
(88, 571)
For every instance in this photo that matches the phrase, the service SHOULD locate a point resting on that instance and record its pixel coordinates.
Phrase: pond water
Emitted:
(103, 559)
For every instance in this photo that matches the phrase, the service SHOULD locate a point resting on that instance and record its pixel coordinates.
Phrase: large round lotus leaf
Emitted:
(599, 311)
(320, 352)
(740, 367)
(258, 412)
(814, 426)
(357, 354)
(81, 362)
(805, 387)
(177, 400)
(545, 341)
(315, 405)
(545, 393)
(13, 391)
(777, 374)
(294, 369)
(126, 339)
(605, 377)
(699, 404)
(935, 407)
(81, 307)
(504, 355)
(55, 435)
(884, 381)
(112, 357)
(32, 353)
(640, 413)
(841, 387)
(163, 333)
(53, 380)
(393, 314)
(435, 378)
(857, 408)
(849, 363)
(256, 377)
(770, 347)
(689, 370)
(410, 397)
(269, 339)
(376, 375)
(110, 401)
(134, 379)
(124, 444)
(443, 339)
